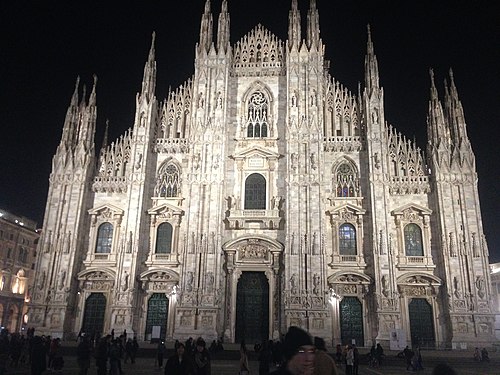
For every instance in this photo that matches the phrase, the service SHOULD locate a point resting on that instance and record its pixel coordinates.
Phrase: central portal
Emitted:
(252, 308)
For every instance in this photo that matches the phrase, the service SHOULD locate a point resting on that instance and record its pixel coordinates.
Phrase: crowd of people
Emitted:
(296, 354)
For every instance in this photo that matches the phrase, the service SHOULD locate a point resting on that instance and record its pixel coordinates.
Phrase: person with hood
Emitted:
(299, 353)
(323, 363)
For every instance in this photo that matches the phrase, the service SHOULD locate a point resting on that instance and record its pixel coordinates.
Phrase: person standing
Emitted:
(160, 353)
(244, 367)
(299, 353)
(355, 362)
(202, 358)
(38, 356)
(101, 355)
(349, 360)
(179, 364)
(265, 358)
(83, 355)
(323, 363)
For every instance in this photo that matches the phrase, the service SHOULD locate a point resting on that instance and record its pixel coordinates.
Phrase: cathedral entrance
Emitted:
(93, 318)
(252, 308)
(157, 315)
(351, 321)
(421, 323)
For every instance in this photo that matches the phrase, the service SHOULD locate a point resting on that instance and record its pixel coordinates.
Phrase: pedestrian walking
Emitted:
(160, 353)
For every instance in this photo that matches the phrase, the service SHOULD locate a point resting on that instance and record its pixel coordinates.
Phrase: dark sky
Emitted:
(46, 45)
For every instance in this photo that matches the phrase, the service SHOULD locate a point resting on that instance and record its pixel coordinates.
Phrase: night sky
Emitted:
(46, 45)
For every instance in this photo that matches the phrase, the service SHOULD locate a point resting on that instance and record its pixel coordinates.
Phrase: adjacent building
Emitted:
(260, 194)
(18, 241)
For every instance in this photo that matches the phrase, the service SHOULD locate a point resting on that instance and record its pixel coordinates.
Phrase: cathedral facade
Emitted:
(260, 194)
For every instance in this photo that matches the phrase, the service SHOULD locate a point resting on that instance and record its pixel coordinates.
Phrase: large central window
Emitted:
(168, 182)
(258, 108)
(347, 240)
(104, 239)
(164, 239)
(413, 240)
(255, 192)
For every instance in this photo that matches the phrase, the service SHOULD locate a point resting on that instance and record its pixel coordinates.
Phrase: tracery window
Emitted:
(104, 238)
(413, 240)
(255, 192)
(347, 240)
(164, 239)
(257, 121)
(168, 182)
(347, 182)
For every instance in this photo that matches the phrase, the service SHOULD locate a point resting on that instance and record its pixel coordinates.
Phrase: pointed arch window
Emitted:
(168, 182)
(164, 239)
(413, 240)
(347, 240)
(104, 238)
(255, 192)
(347, 181)
(257, 115)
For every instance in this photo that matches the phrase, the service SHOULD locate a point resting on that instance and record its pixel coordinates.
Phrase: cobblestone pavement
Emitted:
(147, 366)
(461, 361)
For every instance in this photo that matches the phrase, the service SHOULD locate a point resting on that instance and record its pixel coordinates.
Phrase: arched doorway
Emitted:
(252, 308)
(93, 318)
(351, 321)
(157, 315)
(421, 323)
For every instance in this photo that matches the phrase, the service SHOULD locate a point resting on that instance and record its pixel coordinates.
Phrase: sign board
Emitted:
(398, 339)
(155, 334)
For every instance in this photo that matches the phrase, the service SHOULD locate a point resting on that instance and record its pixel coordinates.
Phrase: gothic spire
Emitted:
(313, 25)
(149, 78)
(206, 29)
(371, 66)
(92, 99)
(71, 117)
(223, 33)
(437, 133)
(455, 112)
(294, 32)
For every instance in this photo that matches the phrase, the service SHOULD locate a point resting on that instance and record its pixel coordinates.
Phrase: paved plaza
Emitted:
(145, 364)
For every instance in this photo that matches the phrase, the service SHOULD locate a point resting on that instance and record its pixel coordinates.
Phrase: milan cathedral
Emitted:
(260, 194)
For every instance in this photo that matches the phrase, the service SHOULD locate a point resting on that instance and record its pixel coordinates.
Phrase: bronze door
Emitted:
(93, 317)
(252, 308)
(351, 321)
(421, 323)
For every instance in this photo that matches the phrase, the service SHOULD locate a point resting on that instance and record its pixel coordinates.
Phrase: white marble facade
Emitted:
(263, 162)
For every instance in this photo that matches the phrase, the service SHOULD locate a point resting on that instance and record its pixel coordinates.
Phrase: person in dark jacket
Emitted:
(38, 356)
(202, 358)
(179, 363)
(101, 355)
(83, 355)
(160, 353)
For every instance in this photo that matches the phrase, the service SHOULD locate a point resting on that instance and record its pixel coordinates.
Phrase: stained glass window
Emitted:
(164, 239)
(347, 239)
(168, 182)
(347, 182)
(413, 240)
(258, 108)
(104, 239)
(255, 192)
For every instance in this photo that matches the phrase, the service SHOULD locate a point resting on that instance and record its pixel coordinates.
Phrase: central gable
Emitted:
(259, 53)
